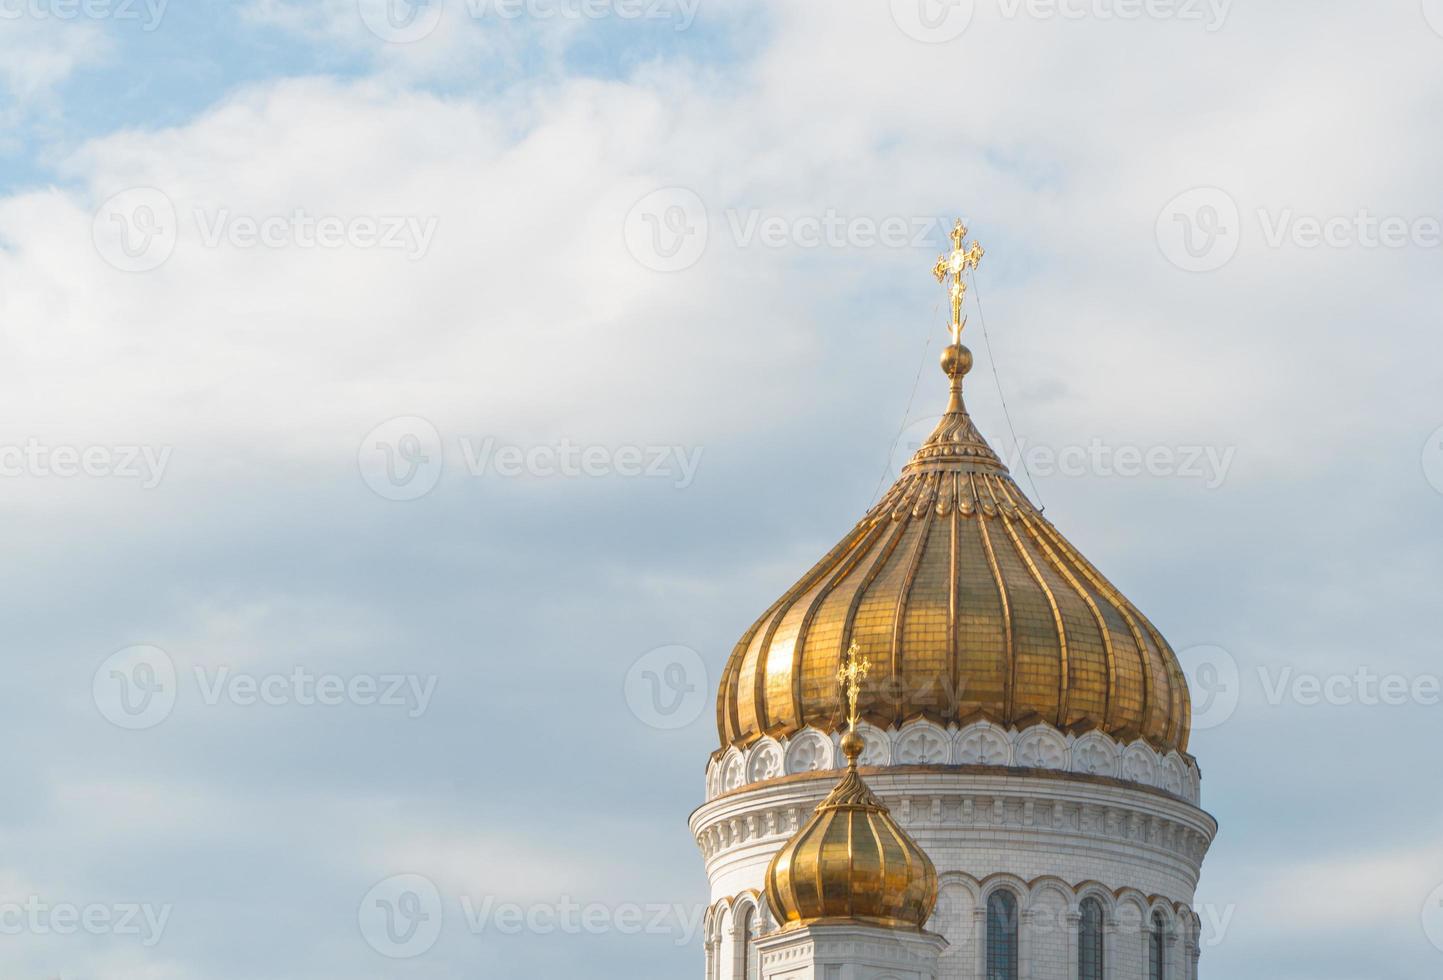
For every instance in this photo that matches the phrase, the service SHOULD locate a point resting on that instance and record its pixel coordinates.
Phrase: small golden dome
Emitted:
(971, 606)
(852, 861)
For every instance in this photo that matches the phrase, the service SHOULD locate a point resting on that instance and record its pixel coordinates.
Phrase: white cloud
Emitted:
(528, 318)
(477, 865)
(428, 40)
(1381, 888)
(521, 297)
(36, 57)
(38, 54)
(520, 287)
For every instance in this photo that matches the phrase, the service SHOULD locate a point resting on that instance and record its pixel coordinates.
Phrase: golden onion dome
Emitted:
(971, 605)
(852, 861)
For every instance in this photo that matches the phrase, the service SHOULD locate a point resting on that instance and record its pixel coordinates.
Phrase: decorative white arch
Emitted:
(810, 751)
(878, 751)
(922, 742)
(1096, 755)
(982, 744)
(1042, 747)
(1140, 764)
(733, 770)
(764, 761)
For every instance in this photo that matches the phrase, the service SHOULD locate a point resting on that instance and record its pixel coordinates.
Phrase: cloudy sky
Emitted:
(403, 409)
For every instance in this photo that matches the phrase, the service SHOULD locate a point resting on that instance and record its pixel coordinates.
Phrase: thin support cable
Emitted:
(906, 414)
(1006, 413)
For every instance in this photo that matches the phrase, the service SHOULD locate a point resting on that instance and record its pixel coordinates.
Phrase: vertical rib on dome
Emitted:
(972, 605)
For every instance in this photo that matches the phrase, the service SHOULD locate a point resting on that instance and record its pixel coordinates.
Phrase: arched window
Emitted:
(711, 945)
(726, 958)
(1002, 936)
(1157, 949)
(1089, 941)
(747, 925)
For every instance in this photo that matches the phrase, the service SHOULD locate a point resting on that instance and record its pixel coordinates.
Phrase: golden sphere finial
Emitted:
(956, 360)
(852, 747)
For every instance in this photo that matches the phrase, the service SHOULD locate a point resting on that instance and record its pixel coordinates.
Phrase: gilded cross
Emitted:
(956, 264)
(854, 671)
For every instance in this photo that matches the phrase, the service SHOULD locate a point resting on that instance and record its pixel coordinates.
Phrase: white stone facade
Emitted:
(849, 951)
(1053, 818)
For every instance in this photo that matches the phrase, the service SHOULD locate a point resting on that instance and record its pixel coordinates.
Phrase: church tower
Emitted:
(1024, 731)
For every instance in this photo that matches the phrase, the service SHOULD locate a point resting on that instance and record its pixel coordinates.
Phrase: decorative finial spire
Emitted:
(956, 359)
(956, 264)
(854, 670)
